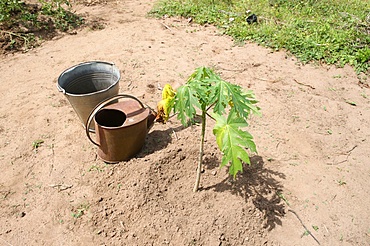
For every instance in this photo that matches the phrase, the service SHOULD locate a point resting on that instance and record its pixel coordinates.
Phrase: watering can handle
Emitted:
(100, 106)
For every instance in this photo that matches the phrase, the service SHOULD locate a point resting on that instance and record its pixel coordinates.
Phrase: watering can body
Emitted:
(121, 128)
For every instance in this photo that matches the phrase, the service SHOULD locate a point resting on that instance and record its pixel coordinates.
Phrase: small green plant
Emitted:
(341, 182)
(95, 168)
(230, 107)
(352, 103)
(81, 210)
(305, 233)
(37, 143)
(281, 195)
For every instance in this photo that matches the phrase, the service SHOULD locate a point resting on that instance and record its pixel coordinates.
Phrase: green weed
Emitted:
(81, 210)
(333, 32)
(281, 195)
(96, 168)
(23, 25)
(305, 233)
(352, 103)
(37, 143)
(341, 182)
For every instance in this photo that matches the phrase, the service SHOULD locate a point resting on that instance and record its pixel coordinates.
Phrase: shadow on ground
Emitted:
(261, 186)
(158, 140)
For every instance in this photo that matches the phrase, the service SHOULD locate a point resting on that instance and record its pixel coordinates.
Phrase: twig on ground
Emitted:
(326, 228)
(174, 133)
(308, 231)
(30, 170)
(348, 153)
(300, 83)
(269, 80)
(167, 27)
(61, 187)
(25, 39)
(52, 160)
(12, 34)
(123, 227)
(232, 70)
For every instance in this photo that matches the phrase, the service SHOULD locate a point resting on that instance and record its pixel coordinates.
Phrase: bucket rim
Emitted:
(92, 93)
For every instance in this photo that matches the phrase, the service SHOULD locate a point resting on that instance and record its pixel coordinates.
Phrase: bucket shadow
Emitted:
(259, 185)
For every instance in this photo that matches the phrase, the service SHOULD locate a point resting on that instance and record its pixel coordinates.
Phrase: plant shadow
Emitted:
(261, 186)
(157, 140)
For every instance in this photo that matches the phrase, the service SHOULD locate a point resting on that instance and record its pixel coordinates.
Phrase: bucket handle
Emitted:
(60, 89)
(100, 106)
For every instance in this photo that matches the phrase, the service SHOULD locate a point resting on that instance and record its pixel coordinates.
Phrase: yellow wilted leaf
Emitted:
(168, 92)
(165, 105)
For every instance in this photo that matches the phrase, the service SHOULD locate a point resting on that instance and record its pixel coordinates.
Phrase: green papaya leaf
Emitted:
(225, 94)
(185, 103)
(220, 96)
(201, 81)
(233, 141)
(202, 74)
(235, 155)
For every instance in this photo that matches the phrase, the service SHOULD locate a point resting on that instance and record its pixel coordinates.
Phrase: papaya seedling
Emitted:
(226, 103)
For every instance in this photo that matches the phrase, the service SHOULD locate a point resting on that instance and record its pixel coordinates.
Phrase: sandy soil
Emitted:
(308, 185)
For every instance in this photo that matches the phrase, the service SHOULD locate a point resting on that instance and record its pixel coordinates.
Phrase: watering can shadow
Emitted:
(120, 127)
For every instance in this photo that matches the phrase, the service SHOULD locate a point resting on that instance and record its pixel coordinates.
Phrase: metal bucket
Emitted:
(87, 84)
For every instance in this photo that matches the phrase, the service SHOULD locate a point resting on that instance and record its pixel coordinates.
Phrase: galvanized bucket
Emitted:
(87, 84)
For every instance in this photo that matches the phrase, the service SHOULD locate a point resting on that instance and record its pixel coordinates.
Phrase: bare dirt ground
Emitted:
(308, 185)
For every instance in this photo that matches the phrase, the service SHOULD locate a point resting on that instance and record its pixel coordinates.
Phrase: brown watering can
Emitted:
(120, 127)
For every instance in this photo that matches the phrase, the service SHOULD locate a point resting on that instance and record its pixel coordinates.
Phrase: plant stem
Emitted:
(199, 169)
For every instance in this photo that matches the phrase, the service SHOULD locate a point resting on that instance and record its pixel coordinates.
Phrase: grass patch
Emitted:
(329, 31)
(23, 25)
